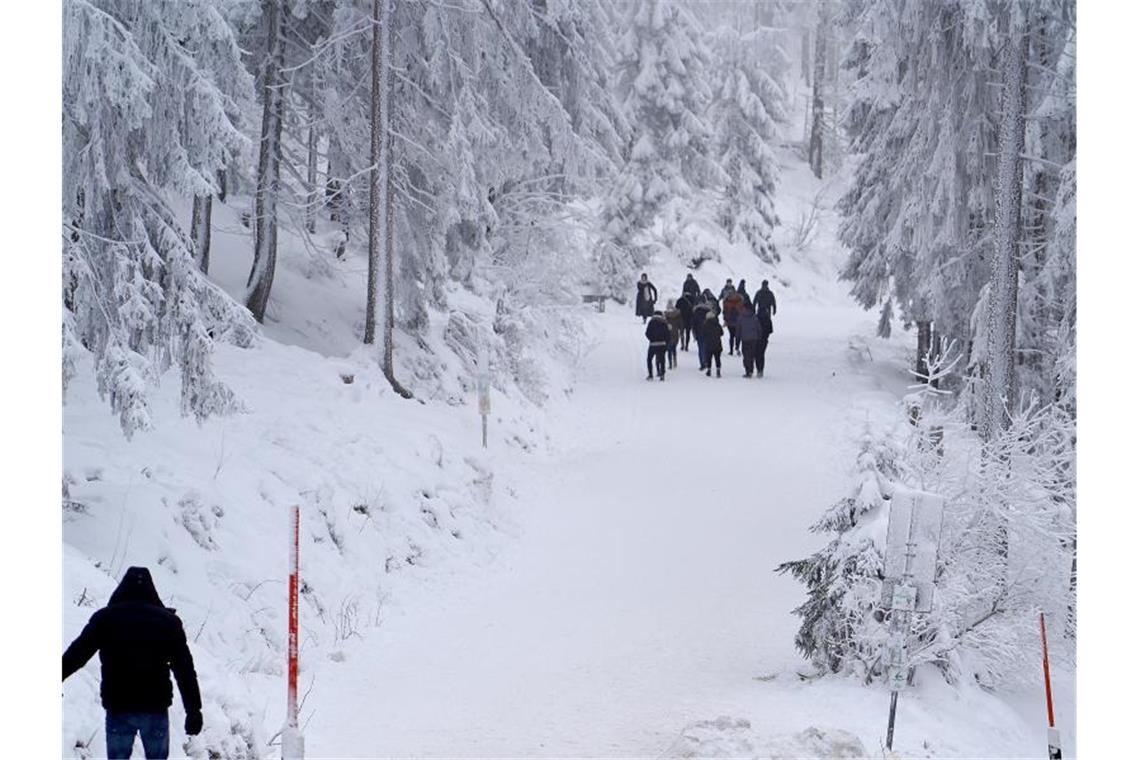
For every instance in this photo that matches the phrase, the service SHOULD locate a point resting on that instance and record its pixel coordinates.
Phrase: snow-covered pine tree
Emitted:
(663, 83)
(842, 627)
(917, 213)
(747, 104)
(146, 115)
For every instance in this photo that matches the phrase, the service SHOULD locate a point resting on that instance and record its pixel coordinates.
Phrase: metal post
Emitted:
(900, 628)
(891, 720)
(484, 430)
(292, 742)
(1054, 736)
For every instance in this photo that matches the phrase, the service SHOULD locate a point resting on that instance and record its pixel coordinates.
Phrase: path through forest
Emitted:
(640, 595)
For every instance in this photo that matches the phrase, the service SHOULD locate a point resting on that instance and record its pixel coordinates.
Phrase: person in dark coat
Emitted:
(676, 326)
(762, 344)
(748, 331)
(742, 289)
(711, 333)
(140, 643)
(699, 313)
(733, 308)
(764, 301)
(646, 297)
(685, 306)
(691, 288)
(728, 288)
(657, 331)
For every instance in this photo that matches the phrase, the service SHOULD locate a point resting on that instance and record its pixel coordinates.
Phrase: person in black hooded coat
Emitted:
(140, 642)
(685, 306)
(657, 332)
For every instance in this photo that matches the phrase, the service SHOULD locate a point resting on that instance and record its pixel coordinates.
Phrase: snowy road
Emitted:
(640, 595)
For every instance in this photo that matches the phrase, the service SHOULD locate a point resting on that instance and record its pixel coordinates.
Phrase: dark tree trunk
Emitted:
(268, 168)
(377, 174)
(1007, 233)
(389, 204)
(200, 230)
(815, 145)
(311, 176)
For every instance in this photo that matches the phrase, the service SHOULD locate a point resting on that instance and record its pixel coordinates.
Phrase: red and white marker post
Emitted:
(292, 742)
(1054, 734)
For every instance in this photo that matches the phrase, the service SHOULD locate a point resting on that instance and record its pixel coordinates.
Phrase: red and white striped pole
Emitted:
(292, 742)
(1054, 734)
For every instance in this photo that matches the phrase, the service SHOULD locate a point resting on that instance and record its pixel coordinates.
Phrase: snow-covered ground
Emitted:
(598, 583)
(640, 597)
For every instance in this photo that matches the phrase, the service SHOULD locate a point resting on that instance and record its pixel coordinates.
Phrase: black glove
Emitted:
(193, 722)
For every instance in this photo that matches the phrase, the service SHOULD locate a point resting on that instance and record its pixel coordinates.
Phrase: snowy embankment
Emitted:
(395, 495)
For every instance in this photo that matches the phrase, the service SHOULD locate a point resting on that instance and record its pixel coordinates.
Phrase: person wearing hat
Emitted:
(140, 643)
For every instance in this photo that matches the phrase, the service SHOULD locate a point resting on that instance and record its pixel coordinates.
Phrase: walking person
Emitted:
(690, 287)
(711, 333)
(140, 643)
(676, 326)
(762, 344)
(657, 331)
(742, 289)
(711, 300)
(748, 330)
(700, 312)
(685, 306)
(733, 309)
(646, 297)
(728, 288)
(764, 301)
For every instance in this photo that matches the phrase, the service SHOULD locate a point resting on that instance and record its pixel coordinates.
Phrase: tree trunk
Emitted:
(805, 54)
(200, 230)
(377, 174)
(815, 145)
(311, 177)
(268, 168)
(921, 366)
(389, 203)
(1003, 283)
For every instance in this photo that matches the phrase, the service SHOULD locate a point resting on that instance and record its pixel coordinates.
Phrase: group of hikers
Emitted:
(697, 314)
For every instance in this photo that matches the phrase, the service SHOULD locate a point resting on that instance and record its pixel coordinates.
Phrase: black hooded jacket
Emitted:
(140, 642)
(765, 302)
(685, 306)
(657, 331)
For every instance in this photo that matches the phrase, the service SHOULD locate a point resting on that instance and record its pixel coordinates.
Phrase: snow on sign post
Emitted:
(914, 530)
(292, 742)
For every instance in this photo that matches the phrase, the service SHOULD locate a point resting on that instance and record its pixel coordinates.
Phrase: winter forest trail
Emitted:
(640, 595)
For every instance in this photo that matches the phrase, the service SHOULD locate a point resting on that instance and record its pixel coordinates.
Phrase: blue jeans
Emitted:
(153, 727)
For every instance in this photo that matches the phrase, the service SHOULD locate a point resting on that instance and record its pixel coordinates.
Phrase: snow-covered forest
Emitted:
(298, 237)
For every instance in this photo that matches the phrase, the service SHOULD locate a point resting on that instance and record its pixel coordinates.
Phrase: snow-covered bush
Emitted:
(1006, 550)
